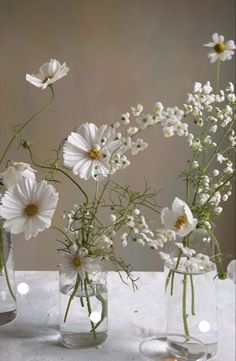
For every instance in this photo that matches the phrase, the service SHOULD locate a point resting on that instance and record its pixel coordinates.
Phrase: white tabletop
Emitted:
(33, 335)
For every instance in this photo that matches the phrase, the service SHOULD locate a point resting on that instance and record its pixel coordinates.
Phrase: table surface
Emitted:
(33, 335)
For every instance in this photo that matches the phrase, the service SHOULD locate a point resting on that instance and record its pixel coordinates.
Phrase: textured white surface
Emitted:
(33, 335)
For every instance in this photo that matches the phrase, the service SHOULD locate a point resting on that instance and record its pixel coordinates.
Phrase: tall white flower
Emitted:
(179, 218)
(28, 207)
(89, 150)
(76, 261)
(221, 49)
(48, 74)
(16, 172)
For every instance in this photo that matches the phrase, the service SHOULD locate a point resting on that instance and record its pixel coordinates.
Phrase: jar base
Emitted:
(6, 317)
(173, 347)
(82, 340)
(211, 350)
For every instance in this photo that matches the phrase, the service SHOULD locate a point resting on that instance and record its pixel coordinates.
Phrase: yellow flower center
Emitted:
(219, 48)
(47, 78)
(77, 261)
(31, 210)
(94, 154)
(180, 221)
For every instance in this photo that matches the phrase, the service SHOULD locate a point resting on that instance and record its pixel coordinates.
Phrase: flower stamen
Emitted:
(47, 78)
(31, 210)
(77, 261)
(219, 48)
(181, 220)
(94, 154)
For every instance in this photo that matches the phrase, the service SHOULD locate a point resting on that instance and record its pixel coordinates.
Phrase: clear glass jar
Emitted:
(191, 296)
(83, 310)
(7, 278)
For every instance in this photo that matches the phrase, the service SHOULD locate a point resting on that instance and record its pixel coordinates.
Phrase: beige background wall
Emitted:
(119, 52)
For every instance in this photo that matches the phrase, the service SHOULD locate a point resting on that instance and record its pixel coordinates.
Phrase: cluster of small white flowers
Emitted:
(104, 242)
(188, 252)
(139, 231)
(190, 264)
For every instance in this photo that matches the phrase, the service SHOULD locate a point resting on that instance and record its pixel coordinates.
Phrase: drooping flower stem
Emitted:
(184, 306)
(19, 130)
(54, 167)
(72, 296)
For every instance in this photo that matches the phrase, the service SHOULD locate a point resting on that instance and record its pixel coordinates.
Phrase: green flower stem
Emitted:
(218, 188)
(184, 307)
(19, 130)
(212, 235)
(218, 145)
(54, 167)
(3, 266)
(168, 279)
(72, 296)
(62, 232)
(81, 302)
(218, 76)
(192, 295)
(86, 281)
(173, 273)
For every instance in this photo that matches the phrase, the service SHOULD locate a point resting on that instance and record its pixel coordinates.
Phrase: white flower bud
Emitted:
(225, 197)
(124, 243)
(136, 211)
(141, 241)
(113, 217)
(215, 172)
(218, 210)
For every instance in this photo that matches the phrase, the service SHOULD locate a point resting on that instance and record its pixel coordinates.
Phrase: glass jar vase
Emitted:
(83, 309)
(191, 294)
(7, 278)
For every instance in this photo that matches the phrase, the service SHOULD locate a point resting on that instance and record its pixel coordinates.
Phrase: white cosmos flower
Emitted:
(28, 207)
(48, 74)
(76, 261)
(221, 49)
(16, 172)
(179, 218)
(88, 151)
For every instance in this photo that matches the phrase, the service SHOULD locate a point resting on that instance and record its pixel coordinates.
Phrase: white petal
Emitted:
(89, 132)
(79, 142)
(215, 38)
(178, 206)
(168, 218)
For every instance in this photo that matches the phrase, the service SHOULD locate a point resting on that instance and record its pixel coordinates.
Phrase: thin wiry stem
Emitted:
(18, 131)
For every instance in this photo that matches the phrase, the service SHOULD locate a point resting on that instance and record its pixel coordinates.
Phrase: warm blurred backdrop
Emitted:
(119, 52)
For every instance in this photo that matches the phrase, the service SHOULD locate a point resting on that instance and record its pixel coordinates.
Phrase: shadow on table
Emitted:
(24, 331)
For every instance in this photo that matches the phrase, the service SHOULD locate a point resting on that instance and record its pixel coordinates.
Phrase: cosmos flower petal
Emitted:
(87, 171)
(168, 218)
(15, 225)
(89, 132)
(89, 151)
(178, 205)
(215, 38)
(48, 74)
(16, 172)
(41, 198)
(178, 219)
(79, 142)
(221, 50)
